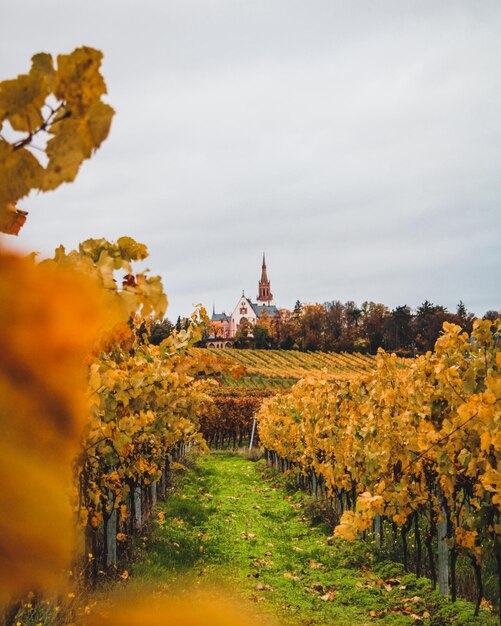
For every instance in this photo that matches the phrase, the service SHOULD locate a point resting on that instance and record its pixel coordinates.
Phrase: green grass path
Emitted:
(232, 528)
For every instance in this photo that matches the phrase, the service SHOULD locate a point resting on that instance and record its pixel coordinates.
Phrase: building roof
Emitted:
(271, 310)
(219, 317)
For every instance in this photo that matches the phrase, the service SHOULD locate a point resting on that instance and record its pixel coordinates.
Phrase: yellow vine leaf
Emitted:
(19, 173)
(465, 538)
(22, 98)
(347, 528)
(78, 80)
(12, 219)
(367, 502)
(74, 140)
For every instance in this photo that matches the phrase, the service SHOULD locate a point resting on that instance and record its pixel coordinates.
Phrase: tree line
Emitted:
(348, 327)
(345, 327)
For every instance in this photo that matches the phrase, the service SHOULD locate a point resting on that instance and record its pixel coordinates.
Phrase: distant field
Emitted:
(280, 369)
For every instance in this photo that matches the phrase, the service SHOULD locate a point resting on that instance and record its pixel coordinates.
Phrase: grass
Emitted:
(232, 526)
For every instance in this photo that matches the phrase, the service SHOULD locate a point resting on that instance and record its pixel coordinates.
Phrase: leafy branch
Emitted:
(46, 124)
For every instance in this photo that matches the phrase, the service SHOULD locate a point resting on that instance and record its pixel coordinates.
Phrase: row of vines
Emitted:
(231, 422)
(416, 445)
(290, 365)
(87, 390)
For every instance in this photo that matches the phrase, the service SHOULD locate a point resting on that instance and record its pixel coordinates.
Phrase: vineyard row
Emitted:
(417, 444)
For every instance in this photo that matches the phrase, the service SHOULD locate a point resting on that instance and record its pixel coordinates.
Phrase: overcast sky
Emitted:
(357, 143)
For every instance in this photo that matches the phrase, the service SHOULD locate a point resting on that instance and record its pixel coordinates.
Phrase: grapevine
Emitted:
(410, 440)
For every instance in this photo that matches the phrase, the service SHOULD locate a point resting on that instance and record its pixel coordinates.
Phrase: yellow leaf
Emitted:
(12, 219)
(98, 119)
(21, 100)
(329, 596)
(42, 67)
(78, 81)
(346, 529)
(69, 146)
(485, 441)
(19, 173)
(366, 501)
(465, 538)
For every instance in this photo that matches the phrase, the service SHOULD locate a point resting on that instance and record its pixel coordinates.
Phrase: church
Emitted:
(224, 327)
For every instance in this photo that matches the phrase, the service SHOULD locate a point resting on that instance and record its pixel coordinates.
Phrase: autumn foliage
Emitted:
(49, 322)
(90, 411)
(416, 439)
(58, 109)
(200, 610)
(230, 424)
(80, 382)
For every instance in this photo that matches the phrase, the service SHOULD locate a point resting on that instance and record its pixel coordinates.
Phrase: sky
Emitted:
(357, 143)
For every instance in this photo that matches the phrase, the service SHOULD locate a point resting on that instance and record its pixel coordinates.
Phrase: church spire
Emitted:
(264, 276)
(265, 296)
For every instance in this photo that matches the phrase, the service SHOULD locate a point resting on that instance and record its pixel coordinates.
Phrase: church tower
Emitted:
(265, 296)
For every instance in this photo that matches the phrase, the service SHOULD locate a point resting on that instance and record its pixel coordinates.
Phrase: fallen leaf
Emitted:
(248, 535)
(256, 598)
(261, 587)
(329, 596)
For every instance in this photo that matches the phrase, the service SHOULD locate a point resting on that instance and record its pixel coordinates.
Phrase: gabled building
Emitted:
(226, 327)
(221, 324)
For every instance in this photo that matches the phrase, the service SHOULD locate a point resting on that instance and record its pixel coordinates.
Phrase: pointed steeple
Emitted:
(264, 276)
(265, 296)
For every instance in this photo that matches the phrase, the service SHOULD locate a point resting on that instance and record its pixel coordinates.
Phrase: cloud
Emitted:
(357, 143)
